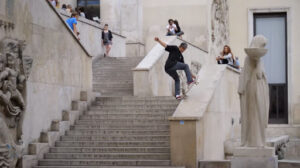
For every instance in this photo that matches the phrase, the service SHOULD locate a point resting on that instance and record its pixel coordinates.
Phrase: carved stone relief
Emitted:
(6, 25)
(14, 71)
(219, 26)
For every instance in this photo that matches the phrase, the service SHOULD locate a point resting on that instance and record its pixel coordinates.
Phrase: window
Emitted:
(91, 8)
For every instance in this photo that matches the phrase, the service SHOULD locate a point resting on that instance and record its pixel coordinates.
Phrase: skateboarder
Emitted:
(176, 62)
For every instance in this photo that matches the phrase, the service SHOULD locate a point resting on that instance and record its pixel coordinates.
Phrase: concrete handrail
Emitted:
(201, 95)
(75, 38)
(87, 21)
(153, 56)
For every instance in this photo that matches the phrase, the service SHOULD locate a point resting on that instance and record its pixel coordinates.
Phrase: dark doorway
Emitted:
(91, 8)
(274, 27)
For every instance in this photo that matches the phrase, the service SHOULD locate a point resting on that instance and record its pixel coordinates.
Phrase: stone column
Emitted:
(110, 13)
(125, 18)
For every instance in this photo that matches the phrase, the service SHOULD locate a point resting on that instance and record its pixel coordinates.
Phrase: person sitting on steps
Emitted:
(175, 62)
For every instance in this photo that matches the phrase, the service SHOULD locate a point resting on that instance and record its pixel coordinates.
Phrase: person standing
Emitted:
(72, 22)
(171, 28)
(107, 39)
(175, 62)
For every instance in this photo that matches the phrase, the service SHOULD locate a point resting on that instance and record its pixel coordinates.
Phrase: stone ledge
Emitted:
(254, 152)
(184, 118)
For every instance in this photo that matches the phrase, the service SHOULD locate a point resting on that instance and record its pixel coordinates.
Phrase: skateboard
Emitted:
(186, 90)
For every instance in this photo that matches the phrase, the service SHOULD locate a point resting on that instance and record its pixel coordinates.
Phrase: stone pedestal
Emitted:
(247, 157)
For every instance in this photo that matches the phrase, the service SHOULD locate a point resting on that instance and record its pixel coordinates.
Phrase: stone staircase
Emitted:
(119, 130)
(113, 76)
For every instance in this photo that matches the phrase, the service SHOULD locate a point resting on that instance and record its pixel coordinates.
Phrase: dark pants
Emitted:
(172, 72)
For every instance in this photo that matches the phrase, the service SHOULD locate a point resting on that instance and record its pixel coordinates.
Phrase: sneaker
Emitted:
(178, 97)
(191, 83)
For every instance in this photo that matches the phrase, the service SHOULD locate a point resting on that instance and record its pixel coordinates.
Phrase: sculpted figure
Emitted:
(254, 95)
(14, 71)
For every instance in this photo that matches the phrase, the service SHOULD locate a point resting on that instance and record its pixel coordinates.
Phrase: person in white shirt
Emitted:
(171, 28)
(226, 56)
(81, 12)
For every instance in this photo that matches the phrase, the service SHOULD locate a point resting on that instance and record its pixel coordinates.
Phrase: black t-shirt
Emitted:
(174, 56)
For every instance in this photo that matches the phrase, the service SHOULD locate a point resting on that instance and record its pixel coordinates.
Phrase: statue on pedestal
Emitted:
(254, 95)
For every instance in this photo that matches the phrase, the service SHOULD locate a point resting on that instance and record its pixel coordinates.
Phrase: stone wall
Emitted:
(192, 15)
(125, 18)
(61, 67)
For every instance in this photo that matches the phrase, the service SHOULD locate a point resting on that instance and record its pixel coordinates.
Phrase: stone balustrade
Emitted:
(206, 118)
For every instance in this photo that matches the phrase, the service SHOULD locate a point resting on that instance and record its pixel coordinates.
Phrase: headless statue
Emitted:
(254, 95)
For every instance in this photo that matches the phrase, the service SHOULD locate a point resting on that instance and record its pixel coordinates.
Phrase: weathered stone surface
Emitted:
(219, 19)
(254, 162)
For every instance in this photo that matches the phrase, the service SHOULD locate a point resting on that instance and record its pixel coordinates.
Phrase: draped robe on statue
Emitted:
(254, 99)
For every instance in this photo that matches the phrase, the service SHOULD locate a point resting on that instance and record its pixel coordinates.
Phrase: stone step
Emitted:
(112, 144)
(111, 85)
(81, 162)
(137, 156)
(116, 138)
(116, 132)
(133, 102)
(133, 127)
(106, 167)
(114, 90)
(112, 93)
(107, 62)
(129, 112)
(119, 82)
(171, 104)
(121, 122)
(135, 106)
(288, 164)
(117, 86)
(122, 71)
(111, 77)
(110, 150)
(137, 98)
(124, 116)
(132, 107)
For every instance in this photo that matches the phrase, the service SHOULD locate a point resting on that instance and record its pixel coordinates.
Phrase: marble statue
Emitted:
(254, 95)
(14, 71)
